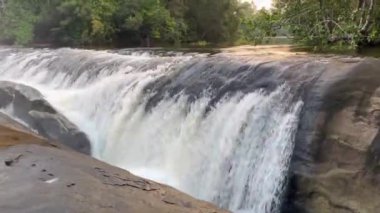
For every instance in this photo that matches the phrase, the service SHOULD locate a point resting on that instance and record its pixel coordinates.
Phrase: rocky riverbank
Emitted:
(335, 166)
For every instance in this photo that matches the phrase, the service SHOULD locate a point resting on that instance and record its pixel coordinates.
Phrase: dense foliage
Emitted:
(315, 23)
(125, 22)
(321, 23)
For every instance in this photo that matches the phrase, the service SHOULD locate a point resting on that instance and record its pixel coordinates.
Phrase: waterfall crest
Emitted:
(218, 128)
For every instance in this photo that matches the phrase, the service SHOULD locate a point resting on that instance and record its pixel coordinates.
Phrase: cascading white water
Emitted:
(235, 153)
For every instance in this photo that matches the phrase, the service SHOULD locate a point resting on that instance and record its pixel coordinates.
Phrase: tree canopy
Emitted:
(130, 22)
(316, 23)
(331, 22)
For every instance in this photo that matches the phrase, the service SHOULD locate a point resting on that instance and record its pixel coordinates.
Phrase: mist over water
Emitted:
(173, 119)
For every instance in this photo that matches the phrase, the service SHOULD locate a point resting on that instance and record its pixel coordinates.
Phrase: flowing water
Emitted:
(218, 128)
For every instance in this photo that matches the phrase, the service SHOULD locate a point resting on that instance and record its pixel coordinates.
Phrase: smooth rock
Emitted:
(29, 107)
(336, 167)
(38, 176)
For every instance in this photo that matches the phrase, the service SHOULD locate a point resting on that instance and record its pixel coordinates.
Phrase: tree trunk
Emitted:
(367, 17)
(147, 41)
(326, 18)
(2, 4)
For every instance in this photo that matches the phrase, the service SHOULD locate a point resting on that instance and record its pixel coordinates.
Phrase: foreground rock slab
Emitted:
(38, 176)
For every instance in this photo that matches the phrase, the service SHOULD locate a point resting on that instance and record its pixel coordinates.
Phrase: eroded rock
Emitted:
(335, 167)
(30, 107)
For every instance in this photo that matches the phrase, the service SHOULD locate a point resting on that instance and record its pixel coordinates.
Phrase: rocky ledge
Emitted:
(336, 162)
(39, 176)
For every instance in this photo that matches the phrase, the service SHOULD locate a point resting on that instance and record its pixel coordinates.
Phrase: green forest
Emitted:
(315, 23)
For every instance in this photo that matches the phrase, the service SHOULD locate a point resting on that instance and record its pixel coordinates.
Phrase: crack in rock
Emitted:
(115, 180)
(11, 162)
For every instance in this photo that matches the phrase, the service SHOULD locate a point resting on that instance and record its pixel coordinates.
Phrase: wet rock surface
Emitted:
(30, 107)
(335, 167)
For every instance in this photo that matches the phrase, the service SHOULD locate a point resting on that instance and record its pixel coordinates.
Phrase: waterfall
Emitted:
(216, 127)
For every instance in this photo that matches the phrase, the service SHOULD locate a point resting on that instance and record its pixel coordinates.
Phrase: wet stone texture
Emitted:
(335, 165)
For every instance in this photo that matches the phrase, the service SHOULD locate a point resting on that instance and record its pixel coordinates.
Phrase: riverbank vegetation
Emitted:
(319, 24)
(337, 24)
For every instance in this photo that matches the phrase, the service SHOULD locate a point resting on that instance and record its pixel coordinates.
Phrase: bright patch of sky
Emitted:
(261, 3)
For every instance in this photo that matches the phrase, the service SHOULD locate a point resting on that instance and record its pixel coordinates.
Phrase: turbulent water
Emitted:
(218, 128)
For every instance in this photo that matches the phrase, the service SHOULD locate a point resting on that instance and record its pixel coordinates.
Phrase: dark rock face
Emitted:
(335, 167)
(29, 106)
(46, 179)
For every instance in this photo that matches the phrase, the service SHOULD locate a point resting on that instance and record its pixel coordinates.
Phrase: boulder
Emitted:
(30, 108)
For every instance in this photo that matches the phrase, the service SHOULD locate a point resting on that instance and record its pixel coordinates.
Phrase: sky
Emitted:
(261, 3)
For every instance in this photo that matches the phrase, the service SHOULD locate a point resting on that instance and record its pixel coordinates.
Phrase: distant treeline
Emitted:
(314, 23)
(124, 22)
